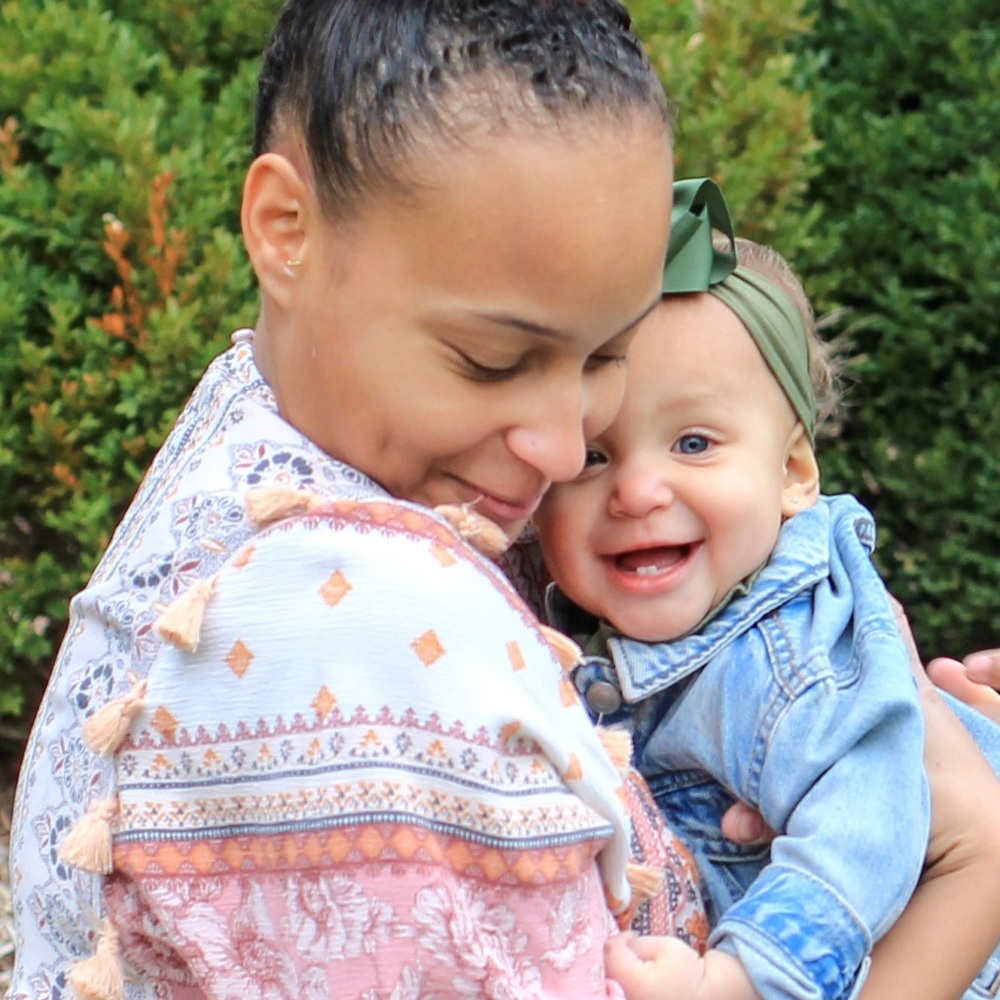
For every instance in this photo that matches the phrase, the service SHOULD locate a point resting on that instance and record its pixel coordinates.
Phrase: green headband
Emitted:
(765, 309)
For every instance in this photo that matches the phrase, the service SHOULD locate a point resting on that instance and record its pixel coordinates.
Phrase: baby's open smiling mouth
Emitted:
(651, 561)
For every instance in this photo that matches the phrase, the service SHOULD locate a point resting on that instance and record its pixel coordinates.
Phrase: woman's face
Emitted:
(462, 344)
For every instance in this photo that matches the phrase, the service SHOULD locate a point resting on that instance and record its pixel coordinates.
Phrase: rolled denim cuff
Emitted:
(796, 938)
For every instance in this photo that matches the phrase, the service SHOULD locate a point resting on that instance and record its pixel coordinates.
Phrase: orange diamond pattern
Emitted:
(567, 692)
(459, 855)
(336, 588)
(443, 556)
(516, 656)
(370, 843)
(324, 702)
(428, 647)
(492, 865)
(404, 842)
(239, 658)
(363, 844)
(243, 559)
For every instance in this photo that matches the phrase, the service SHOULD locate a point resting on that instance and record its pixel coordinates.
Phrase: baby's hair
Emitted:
(363, 85)
(824, 364)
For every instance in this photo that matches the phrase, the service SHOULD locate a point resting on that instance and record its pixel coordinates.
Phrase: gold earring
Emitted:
(293, 263)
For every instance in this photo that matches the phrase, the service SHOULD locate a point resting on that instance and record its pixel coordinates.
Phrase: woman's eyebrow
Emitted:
(551, 333)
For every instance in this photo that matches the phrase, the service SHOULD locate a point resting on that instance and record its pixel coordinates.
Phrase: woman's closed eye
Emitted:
(489, 373)
(500, 373)
(597, 361)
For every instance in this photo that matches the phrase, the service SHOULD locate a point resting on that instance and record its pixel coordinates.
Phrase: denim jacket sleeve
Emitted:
(836, 766)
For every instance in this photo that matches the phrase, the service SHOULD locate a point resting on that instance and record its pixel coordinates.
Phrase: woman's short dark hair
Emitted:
(364, 84)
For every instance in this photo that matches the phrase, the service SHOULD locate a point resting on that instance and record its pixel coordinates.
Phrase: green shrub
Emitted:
(124, 132)
(743, 116)
(907, 108)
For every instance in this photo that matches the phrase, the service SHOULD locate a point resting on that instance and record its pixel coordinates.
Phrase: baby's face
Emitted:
(682, 497)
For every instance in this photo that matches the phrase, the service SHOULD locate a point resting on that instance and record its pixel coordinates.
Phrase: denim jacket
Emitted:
(797, 698)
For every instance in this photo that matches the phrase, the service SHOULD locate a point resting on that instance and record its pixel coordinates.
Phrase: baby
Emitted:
(736, 623)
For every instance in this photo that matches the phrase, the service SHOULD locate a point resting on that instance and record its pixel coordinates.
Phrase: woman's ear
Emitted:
(275, 221)
(801, 486)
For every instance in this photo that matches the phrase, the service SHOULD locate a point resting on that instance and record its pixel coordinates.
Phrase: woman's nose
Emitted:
(565, 416)
(553, 445)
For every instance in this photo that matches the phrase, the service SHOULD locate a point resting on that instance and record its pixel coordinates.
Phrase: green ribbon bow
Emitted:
(694, 264)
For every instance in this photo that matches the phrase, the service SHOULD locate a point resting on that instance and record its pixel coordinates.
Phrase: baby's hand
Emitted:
(651, 968)
(663, 968)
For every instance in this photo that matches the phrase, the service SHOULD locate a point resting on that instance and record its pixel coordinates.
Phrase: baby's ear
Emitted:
(801, 486)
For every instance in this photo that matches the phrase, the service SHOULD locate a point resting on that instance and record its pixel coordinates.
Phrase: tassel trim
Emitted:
(617, 745)
(105, 731)
(180, 624)
(274, 503)
(567, 652)
(88, 845)
(485, 536)
(644, 880)
(101, 977)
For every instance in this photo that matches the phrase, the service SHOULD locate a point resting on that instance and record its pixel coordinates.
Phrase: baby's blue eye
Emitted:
(692, 444)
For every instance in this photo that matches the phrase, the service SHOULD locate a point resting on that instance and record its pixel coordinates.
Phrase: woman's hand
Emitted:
(974, 680)
(952, 923)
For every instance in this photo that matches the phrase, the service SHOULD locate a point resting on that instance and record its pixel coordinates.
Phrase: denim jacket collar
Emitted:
(801, 558)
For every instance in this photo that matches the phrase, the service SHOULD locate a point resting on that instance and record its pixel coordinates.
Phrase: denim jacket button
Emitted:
(603, 698)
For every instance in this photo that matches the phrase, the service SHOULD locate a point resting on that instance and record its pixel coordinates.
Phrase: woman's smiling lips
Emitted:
(500, 509)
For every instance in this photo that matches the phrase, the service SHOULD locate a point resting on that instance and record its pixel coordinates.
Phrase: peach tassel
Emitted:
(617, 745)
(485, 536)
(180, 624)
(644, 880)
(88, 845)
(107, 728)
(567, 652)
(274, 503)
(100, 977)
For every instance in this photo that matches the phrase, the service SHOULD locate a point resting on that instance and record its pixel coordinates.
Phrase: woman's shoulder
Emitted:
(313, 566)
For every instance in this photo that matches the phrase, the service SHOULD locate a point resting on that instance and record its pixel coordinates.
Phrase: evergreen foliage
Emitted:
(742, 116)
(124, 134)
(906, 98)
